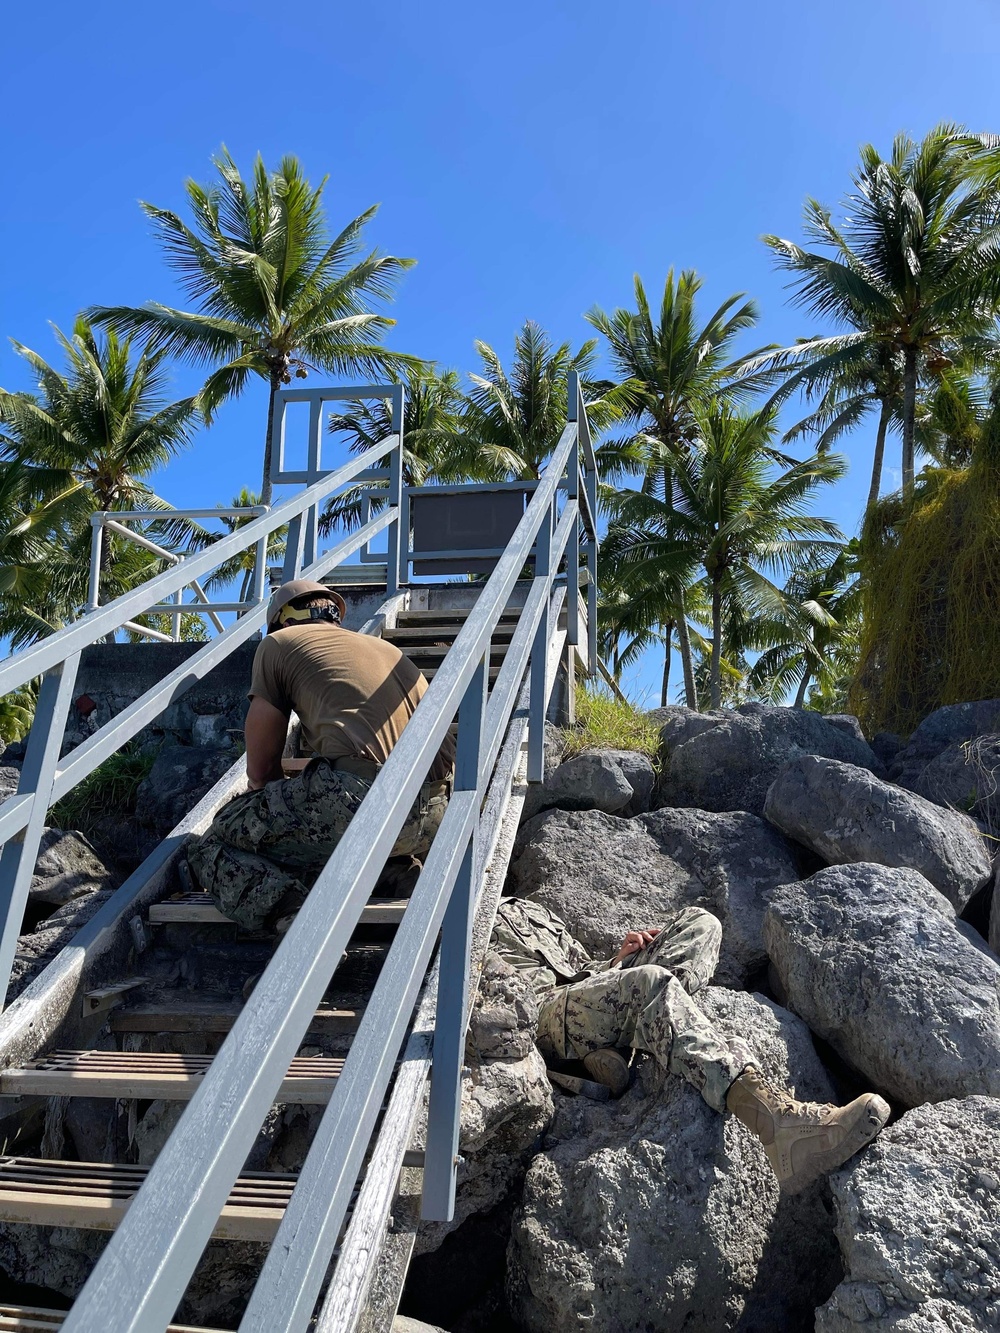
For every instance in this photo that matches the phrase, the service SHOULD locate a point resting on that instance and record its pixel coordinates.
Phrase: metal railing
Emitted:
(116, 521)
(142, 1274)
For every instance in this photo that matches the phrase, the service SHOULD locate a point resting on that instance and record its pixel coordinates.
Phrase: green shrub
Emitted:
(110, 790)
(605, 722)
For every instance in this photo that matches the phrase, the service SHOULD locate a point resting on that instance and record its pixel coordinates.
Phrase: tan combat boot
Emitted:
(804, 1140)
(609, 1068)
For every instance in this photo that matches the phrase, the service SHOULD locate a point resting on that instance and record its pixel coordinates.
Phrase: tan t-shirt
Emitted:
(354, 693)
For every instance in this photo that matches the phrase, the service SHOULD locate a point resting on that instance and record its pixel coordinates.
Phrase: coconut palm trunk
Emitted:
(715, 673)
(687, 661)
(883, 426)
(800, 694)
(668, 643)
(909, 415)
(266, 487)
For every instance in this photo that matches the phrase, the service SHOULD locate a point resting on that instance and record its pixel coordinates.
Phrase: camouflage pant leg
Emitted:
(687, 945)
(647, 1008)
(417, 834)
(265, 843)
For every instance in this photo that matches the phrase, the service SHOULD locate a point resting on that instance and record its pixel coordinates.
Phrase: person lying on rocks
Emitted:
(354, 694)
(641, 999)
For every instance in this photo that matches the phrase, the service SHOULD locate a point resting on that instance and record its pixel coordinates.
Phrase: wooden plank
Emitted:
(41, 1197)
(33, 1319)
(310, 1080)
(180, 1016)
(198, 909)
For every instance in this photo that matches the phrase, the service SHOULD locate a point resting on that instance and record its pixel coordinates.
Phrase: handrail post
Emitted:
(444, 1112)
(314, 471)
(17, 861)
(293, 550)
(259, 588)
(96, 552)
(573, 493)
(539, 657)
(398, 554)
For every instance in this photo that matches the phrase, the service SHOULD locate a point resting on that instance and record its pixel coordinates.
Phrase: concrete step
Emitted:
(150, 1074)
(199, 909)
(95, 1196)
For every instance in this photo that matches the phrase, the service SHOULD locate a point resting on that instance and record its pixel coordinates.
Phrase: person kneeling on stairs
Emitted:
(353, 694)
(641, 999)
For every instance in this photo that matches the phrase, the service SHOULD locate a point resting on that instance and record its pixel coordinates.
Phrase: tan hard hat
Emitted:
(288, 592)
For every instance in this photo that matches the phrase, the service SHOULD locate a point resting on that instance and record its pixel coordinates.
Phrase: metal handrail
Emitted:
(139, 1278)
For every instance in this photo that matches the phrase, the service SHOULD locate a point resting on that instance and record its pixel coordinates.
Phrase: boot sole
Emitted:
(821, 1163)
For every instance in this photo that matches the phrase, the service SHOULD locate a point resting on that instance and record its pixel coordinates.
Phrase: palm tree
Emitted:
(275, 295)
(803, 643)
(912, 275)
(670, 367)
(433, 445)
(513, 418)
(87, 440)
(728, 518)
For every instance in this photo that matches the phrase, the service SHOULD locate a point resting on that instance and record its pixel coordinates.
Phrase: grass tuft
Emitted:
(110, 790)
(605, 722)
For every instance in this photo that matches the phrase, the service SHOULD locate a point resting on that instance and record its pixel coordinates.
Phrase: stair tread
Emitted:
(35, 1319)
(418, 634)
(459, 615)
(418, 653)
(95, 1196)
(170, 1015)
(198, 908)
(154, 1074)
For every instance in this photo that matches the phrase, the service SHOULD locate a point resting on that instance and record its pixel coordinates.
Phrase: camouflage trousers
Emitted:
(646, 1004)
(265, 848)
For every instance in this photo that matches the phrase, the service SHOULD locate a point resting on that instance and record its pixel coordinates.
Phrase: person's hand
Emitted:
(634, 941)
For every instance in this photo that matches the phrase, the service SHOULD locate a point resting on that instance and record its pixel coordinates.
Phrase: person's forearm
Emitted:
(259, 775)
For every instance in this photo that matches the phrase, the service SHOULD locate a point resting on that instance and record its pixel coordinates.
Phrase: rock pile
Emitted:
(837, 870)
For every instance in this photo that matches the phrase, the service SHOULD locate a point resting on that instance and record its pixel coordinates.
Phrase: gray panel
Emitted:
(472, 521)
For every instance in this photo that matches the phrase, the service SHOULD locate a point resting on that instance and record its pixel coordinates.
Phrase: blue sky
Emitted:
(531, 157)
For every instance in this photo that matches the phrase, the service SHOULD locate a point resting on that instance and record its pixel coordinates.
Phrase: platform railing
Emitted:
(141, 1276)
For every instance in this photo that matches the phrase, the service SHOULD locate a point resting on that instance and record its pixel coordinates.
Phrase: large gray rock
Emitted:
(876, 963)
(966, 776)
(179, 778)
(10, 776)
(67, 867)
(846, 814)
(605, 875)
(38, 948)
(506, 1098)
(955, 724)
(730, 763)
(918, 1220)
(588, 782)
(615, 781)
(656, 1213)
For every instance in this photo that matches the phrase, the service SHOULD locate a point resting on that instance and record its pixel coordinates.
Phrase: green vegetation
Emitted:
(605, 722)
(110, 790)
(713, 542)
